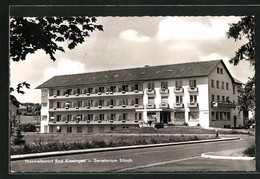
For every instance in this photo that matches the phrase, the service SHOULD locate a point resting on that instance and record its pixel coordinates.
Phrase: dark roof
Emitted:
(183, 70)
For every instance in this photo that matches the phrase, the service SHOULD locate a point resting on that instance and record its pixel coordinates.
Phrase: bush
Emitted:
(250, 151)
(159, 125)
(18, 138)
(28, 127)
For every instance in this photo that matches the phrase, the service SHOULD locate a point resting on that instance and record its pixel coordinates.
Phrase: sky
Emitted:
(129, 42)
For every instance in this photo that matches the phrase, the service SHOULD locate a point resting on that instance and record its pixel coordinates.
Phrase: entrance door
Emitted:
(235, 121)
(165, 117)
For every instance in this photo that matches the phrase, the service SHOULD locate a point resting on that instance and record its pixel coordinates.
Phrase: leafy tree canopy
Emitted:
(243, 28)
(28, 35)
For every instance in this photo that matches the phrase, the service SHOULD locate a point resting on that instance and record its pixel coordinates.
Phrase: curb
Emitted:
(71, 152)
(210, 155)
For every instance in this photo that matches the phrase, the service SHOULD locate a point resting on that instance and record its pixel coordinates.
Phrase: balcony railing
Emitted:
(150, 106)
(164, 91)
(178, 105)
(98, 122)
(192, 89)
(193, 104)
(178, 90)
(164, 105)
(150, 91)
(223, 104)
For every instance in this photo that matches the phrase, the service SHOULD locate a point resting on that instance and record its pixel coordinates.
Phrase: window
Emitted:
(179, 116)
(44, 104)
(194, 115)
(113, 116)
(69, 117)
(68, 91)
(151, 86)
(101, 102)
(164, 85)
(227, 99)
(101, 117)
(213, 98)
(136, 87)
(165, 99)
(69, 129)
(125, 102)
(212, 115)
(79, 129)
(223, 84)
(217, 84)
(212, 83)
(101, 128)
(44, 93)
(125, 116)
(221, 71)
(227, 86)
(178, 84)
(78, 91)
(112, 102)
(79, 117)
(138, 116)
(221, 116)
(217, 115)
(90, 117)
(150, 100)
(217, 69)
(90, 90)
(179, 99)
(112, 88)
(223, 99)
(234, 89)
(125, 88)
(224, 115)
(58, 117)
(193, 98)
(101, 89)
(136, 100)
(218, 98)
(58, 92)
(90, 129)
(228, 115)
(192, 83)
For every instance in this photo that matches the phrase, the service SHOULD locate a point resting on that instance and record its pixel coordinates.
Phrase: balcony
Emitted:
(150, 91)
(97, 122)
(224, 104)
(193, 89)
(164, 91)
(178, 90)
(178, 105)
(150, 106)
(193, 105)
(164, 105)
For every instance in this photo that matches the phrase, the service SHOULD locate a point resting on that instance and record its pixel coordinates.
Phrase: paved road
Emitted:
(159, 159)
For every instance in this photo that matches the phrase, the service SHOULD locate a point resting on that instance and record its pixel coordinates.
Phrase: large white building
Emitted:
(195, 93)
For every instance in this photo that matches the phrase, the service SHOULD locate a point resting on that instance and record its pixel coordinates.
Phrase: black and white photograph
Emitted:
(132, 94)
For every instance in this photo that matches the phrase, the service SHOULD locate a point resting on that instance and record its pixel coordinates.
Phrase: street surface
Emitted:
(158, 159)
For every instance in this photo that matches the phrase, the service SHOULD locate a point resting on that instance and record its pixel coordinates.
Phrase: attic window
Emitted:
(169, 70)
(157, 72)
(116, 76)
(181, 70)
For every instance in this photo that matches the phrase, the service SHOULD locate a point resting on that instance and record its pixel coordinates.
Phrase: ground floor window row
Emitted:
(220, 116)
(79, 129)
(96, 117)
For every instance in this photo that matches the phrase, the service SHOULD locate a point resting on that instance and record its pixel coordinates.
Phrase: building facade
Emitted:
(198, 93)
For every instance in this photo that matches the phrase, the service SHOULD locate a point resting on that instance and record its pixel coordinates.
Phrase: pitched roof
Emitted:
(182, 70)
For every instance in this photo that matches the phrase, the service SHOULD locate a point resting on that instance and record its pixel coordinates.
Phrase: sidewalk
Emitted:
(236, 154)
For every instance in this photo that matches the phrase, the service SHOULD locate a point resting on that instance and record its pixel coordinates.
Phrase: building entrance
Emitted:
(165, 117)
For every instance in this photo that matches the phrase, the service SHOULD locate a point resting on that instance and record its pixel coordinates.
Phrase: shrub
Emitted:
(28, 127)
(159, 125)
(18, 138)
(250, 151)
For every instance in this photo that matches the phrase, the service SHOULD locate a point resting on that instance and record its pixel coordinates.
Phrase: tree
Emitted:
(28, 35)
(245, 28)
